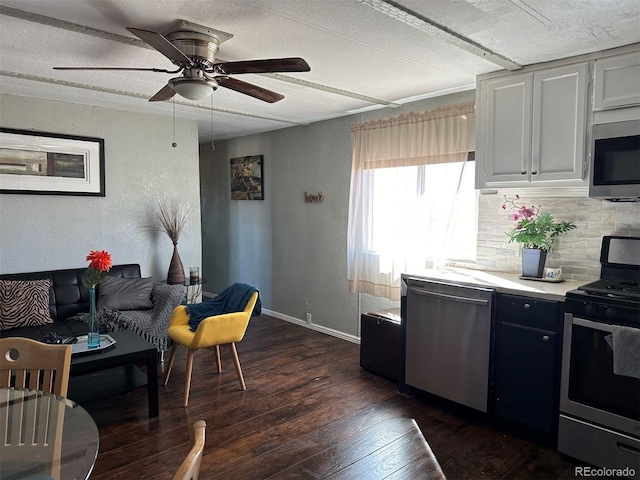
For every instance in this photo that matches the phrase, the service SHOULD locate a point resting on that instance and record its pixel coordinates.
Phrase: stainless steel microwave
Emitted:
(615, 161)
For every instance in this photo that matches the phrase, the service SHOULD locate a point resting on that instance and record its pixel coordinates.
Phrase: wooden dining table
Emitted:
(44, 436)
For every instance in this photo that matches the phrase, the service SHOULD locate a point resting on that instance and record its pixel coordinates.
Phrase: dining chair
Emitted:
(26, 365)
(190, 468)
(213, 331)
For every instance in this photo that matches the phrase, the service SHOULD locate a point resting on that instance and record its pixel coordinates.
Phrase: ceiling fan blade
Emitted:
(162, 70)
(294, 64)
(163, 45)
(165, 93)
(249, 89)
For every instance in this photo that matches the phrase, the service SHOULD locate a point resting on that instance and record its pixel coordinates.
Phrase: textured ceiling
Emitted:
(363, 53)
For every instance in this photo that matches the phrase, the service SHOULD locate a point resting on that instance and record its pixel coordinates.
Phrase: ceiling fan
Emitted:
(192, 48)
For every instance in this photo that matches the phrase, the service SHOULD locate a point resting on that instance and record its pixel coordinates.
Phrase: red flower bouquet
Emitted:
(100, 264)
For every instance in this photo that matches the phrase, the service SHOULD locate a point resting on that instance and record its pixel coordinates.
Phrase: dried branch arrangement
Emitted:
(171, 218)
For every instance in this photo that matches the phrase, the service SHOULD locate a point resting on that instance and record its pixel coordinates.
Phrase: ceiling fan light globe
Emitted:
(192, 88)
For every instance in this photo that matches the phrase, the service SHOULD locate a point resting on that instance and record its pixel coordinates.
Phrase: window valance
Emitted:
(442, 135)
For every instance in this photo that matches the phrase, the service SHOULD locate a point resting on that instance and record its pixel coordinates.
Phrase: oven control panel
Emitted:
(619, 314)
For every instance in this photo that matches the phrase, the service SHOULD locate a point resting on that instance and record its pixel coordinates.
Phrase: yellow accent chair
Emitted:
(225, 329)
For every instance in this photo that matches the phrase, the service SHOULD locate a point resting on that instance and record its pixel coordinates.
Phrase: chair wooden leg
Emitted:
(218, 362)
(172, 356)
(236, 362)
(188, 382)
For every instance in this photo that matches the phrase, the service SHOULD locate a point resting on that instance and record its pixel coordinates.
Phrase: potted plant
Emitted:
(536, 232)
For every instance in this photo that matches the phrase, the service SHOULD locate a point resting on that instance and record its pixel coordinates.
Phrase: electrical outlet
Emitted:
(308, 318)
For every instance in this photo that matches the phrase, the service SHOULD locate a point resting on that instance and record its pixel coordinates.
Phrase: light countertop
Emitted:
(502, 282)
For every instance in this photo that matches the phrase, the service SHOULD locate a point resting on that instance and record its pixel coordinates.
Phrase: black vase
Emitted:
(533, 261)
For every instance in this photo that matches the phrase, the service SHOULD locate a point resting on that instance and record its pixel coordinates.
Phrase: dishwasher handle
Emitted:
(445, 296)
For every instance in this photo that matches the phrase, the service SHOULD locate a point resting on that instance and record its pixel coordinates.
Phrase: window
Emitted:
(411, 211)
(412, 201)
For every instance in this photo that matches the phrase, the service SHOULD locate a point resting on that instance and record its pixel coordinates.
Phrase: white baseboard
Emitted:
(313, 326)
(302, 323)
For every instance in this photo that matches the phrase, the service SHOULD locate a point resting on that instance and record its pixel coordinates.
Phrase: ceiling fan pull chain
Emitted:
(173, 101)
(213, 147)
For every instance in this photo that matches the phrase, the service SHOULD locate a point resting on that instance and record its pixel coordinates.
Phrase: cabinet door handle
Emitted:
(534, 173)
(545, 338)
(524, 172)
(527, 306)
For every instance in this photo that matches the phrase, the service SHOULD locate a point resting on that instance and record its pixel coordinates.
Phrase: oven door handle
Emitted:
(594, 325)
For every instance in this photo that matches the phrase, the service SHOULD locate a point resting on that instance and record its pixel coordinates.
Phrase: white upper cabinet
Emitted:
(531, 128)
(617, 81)
(505, 122)
(559, 123)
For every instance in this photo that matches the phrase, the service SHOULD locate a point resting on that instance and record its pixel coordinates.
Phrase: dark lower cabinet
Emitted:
(380, 347)
(526, 375)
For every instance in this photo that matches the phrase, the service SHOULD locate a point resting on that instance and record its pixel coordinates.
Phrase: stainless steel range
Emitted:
(600, 389)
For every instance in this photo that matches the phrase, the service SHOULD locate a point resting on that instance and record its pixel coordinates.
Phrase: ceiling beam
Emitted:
(113, 91)
(71, 27)
(428, 26)
(326, 88)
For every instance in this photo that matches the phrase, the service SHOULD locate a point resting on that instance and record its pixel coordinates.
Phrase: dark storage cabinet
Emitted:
(528, 344)
(380, 343)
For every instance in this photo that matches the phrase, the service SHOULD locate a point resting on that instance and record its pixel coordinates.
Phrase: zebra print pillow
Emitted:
(24, 303)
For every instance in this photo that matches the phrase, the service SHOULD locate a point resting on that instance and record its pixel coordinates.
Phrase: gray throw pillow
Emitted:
(125, 293)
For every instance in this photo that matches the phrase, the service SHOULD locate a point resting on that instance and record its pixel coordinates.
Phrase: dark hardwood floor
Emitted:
(309, 411)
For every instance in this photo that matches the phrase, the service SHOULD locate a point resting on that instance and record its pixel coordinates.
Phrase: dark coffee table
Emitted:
(112, 371)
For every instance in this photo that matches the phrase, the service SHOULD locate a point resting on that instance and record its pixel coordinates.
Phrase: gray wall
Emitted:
(236, 235)
(294, 252)
(42, 232)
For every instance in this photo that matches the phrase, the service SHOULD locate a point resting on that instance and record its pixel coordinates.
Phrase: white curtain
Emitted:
(438, 136)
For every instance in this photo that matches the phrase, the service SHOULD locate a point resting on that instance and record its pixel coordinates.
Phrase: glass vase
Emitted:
(93, 335)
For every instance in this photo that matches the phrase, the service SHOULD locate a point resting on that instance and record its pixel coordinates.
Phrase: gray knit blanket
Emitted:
(151, 324)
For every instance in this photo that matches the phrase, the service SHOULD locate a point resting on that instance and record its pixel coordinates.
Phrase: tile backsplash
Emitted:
(577, 251)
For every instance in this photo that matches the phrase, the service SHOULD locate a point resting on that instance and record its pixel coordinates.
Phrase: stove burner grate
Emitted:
(613, 288)
(626, 287)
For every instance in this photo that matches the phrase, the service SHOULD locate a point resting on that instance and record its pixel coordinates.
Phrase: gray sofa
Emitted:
(69, 307)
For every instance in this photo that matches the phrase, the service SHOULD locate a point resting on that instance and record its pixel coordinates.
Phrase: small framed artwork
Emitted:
(49, 163)
(246, 178)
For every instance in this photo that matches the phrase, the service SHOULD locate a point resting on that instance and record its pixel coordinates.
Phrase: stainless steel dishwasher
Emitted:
(448, 337)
